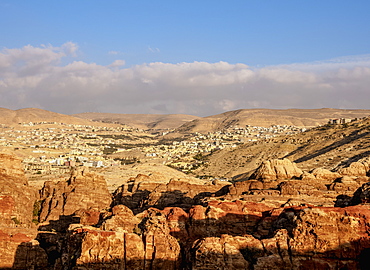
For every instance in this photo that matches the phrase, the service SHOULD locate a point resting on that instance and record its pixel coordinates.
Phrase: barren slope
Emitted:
(327, 146)
(142, 121)
(268, 117)
(14, 117)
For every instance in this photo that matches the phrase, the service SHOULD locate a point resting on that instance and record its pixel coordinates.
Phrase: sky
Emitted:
(189, 57)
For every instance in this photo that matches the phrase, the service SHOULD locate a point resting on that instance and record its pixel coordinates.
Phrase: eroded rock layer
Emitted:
(283, 219)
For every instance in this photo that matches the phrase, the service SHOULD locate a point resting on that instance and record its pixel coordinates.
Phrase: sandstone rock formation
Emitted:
(325, 174)
(154, 248)
(153, 191)
(277, 169)
(270, 223)
(222, 253)
(17, 198)
(305, 238)
(243, 187)
(358, 168)
(82, 191)
(18, 248)
(362, 195)
(122, 219)
(300, 187)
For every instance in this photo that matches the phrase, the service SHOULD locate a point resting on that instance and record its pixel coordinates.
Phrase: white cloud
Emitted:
(118, 63)
(153, 50)
(346, 62)
(33, 77)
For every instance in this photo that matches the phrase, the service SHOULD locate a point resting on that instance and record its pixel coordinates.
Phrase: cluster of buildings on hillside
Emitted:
(62, 164)
(336, 121)
(58, 148)
(178, 153)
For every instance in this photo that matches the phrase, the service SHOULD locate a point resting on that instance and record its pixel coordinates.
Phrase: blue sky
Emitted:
(137, 37)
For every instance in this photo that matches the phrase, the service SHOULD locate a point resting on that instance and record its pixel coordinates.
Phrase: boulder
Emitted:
(242, 187)
(354, 169)
(362, 195)
(325, 175)
(277, 169)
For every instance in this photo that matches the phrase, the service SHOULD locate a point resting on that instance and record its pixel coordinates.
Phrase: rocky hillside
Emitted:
(268, 117)
(328, 146)
(141, 121)
(14, 117)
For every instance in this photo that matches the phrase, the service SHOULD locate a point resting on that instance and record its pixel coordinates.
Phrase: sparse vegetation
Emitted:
(16, 221)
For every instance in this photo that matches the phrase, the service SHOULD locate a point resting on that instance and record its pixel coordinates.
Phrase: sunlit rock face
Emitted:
(146, 191)
(358, 168)
(323, 238)
(16, 196)
(193, 225)
(17, 232)
(277, 169)
(83, 191)
(152, 248)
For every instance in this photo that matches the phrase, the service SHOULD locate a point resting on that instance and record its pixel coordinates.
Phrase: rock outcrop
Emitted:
(234, 218)
(17, 198)
(153, 248)
(270, 223)
(304, 238)
(277, 169)
(358, 168)
(223, 252)
(82, 192)
(122, 219)
(362, 195)
(145, 191)
(18, 248)
(325, 174)
(300, 187)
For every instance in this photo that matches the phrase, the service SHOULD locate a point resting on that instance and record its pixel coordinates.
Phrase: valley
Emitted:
(219, 192)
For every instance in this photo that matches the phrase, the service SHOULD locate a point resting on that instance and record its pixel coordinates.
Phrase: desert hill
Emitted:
(142, 121)
(328, 146)
(268, 117)
(14, 117)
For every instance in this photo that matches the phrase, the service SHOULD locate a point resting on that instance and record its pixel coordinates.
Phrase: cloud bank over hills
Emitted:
(52, 78)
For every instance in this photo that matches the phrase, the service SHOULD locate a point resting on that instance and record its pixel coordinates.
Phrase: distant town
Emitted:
(52, 148)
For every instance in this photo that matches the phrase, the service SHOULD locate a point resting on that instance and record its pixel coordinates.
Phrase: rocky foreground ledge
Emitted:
(284, 218)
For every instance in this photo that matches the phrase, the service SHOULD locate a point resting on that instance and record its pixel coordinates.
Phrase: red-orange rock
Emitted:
(154, 249)
(122, 220)
(16, 196)
(82, 191)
